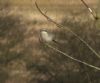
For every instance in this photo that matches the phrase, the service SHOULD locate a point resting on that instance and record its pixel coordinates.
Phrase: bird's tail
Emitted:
(55, 41)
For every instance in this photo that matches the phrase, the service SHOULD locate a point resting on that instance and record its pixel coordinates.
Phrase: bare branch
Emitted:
(90, 10)
(61, 26)
(49, 19)
(89, 65)
(85, 3)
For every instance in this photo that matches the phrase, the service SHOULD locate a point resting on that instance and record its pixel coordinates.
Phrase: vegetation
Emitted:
(24, 59)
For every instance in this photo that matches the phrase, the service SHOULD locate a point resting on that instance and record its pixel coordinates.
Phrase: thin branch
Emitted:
(77, 60)
(90, 10)
(61, 26)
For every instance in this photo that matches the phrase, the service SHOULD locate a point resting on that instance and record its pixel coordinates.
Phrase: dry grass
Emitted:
(23, 59)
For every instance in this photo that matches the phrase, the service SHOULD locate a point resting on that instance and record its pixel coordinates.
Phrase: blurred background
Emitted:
(24, 59)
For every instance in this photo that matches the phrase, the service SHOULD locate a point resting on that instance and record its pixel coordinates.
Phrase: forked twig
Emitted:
(65, 54)
(61, 26)
(90, 10)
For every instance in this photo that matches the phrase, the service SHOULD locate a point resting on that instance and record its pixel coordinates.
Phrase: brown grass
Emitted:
(23, 59)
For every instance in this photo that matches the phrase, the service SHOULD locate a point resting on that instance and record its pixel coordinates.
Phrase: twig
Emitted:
(61, 26)
(90, 10)
(89, 65)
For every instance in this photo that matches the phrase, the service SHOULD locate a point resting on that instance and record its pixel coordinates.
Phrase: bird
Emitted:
(47, 36)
